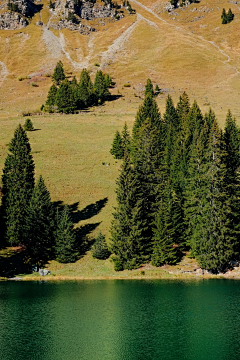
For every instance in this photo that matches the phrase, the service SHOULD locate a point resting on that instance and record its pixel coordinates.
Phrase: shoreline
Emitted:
(166, 276)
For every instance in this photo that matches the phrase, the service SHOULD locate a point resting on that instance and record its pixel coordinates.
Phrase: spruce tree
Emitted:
(117, 148)
(58, 74)
(125, 139)
(224, 17)
(149, 88)
(18, 184)
(232, 164)
(85, 91)
(39, 225)
(129, 227)
(65, 98)
(230, 16)
(165, 250)
(65, 238)
(100, 86)
(148, 110)
(100, 249)
(51, 96)
(28, 125)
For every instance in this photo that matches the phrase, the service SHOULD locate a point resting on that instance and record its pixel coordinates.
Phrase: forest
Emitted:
(177, 191)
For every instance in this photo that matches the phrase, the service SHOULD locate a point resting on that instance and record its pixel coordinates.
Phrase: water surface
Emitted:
(120, 320)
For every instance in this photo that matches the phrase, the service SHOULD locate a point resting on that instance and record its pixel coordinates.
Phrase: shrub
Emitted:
(100, 249)
(127, 85)
(96, 64)
(28, 126)
(34, 84)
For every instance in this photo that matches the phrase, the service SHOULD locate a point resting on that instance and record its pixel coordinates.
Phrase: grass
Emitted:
(69, 151)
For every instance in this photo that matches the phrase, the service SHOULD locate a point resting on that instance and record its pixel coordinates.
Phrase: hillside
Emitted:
(187, 49)
(184, 50)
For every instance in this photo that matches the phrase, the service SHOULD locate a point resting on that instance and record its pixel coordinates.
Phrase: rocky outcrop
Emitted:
(64, 24)
(12, 21)
(72, 12)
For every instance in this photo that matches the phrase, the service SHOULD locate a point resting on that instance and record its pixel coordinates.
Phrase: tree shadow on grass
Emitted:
(83, 238)
(87, 213)
(83, 233)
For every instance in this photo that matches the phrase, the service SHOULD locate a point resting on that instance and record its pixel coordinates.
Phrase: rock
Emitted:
(39, 23)
(44, 272)
(12, 21)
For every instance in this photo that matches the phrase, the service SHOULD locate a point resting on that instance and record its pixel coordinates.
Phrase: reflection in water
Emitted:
(119, 320)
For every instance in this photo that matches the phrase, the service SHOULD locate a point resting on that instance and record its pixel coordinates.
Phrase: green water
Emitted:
(120, 320)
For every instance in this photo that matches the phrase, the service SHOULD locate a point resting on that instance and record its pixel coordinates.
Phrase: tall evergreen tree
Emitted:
(58, 74)
(18, 184)
(117, 149)
(148, 110)
(128, 230)
(65, 98)
(165, 249)
(86, 91)
(101, 88)
(39, 224)
(65, 238)
(51, 95)
(125, 138)
(224, 17)
(149, 88)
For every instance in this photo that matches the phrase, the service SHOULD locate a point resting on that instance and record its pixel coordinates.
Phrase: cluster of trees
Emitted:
(69, 96)
(227, 17)
(178, 189)
(28, 216)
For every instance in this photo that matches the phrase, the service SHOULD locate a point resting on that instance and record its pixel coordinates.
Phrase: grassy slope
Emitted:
(69, 150)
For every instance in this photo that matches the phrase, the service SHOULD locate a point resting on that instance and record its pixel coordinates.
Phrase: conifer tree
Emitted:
(100, 87)
(232, 164)
(183, 106)
(117, 148)
(224, 17)
(230, 16)
(18, 184)
(129, 227)
(65, 98)
(51, 96)
(165, 250)
(125, 139)
(100, 249)
(39, 224)
(86, 91)
(149, 88)
(58, 74)
(148, 110)
(65, 238)
(28, 125)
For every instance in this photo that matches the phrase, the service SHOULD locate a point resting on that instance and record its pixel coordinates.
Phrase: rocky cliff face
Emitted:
(14, 13)
(12, 21)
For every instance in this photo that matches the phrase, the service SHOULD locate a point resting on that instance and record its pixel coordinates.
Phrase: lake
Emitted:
(120, 320)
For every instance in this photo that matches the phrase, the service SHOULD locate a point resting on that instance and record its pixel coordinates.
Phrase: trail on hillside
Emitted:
(3, 72)
(113, 50)
(192, 34)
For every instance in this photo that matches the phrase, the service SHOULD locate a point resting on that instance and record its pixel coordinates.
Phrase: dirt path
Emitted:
(3, 72)
(192, 35)
(113, 51)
